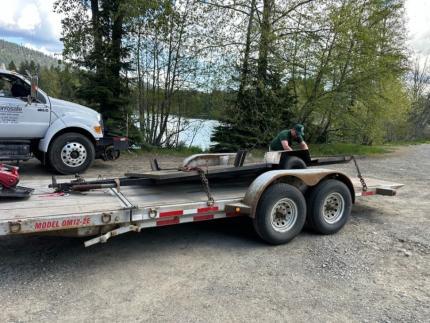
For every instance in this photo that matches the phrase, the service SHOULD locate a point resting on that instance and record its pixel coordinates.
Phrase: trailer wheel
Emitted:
(293, 162)
(71, 153)
(329, 206)
(281, 214)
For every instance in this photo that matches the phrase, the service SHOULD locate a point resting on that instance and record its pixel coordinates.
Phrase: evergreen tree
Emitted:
(96, 44)
(12, 66)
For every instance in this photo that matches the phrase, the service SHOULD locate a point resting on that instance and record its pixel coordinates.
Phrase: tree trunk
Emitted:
(265, 39)
(245, 66)
(98, 44)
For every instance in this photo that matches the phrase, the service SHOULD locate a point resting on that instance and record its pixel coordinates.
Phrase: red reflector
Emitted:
(207, 209)
(203, 217)
(168, 222)
(368, 193)
(230, 214)
(171, 213)
(120, 138)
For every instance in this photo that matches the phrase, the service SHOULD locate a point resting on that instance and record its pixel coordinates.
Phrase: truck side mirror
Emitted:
(34, 86)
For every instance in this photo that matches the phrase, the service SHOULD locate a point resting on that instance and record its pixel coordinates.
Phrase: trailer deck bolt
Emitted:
(14, 227)
(152, 213)
(106, 217)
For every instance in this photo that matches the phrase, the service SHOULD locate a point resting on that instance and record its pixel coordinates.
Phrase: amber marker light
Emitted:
(98, 129)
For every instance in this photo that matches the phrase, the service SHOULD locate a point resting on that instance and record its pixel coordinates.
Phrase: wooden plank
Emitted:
(211, 172)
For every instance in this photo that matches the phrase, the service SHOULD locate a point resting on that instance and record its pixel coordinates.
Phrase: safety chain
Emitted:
(206, 187)
(205, 183)
(360, 177)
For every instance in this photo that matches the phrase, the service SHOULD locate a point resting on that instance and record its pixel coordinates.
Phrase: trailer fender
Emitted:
(296, 177)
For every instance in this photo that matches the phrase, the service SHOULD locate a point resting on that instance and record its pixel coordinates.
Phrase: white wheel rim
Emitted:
(73, 154)
(283, 215)
(333, 208)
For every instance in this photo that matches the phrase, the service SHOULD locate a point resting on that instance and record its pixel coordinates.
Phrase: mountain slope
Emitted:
(16, 53)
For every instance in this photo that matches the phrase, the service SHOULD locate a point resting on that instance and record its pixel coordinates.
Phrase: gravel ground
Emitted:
(376, 269)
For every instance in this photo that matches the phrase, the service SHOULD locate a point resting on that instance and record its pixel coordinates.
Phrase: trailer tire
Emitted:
(329, 206)
(71, 153)
(293, 162)
(280, 214)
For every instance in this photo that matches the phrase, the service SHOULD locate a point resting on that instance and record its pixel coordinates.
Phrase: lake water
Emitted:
(198, 133)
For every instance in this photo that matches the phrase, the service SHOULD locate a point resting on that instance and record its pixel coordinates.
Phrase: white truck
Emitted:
(61, 134)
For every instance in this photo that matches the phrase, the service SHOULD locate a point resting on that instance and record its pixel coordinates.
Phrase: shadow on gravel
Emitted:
(25, 258)
(33, 168)
(365, 213)
(154, 242)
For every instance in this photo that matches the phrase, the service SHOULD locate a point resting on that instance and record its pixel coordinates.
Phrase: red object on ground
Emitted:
(9, 176)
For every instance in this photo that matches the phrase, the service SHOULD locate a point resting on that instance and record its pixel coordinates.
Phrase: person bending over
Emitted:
(284, 139)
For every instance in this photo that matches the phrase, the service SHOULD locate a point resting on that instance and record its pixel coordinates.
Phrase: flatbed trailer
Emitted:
(279, 202)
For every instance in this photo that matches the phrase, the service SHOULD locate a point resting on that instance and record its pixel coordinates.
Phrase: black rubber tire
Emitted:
(262, 220)
(54, 153)
(293, 162)
(315, 217)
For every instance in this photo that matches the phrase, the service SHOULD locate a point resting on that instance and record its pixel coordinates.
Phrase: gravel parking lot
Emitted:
(376, 269)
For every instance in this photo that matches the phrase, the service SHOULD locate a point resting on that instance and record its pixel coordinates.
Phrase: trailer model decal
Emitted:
(66, 223)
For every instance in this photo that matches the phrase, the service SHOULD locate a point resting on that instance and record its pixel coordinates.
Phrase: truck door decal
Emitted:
(10, 113)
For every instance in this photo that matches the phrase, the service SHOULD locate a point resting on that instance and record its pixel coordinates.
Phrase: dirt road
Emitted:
(375, 270)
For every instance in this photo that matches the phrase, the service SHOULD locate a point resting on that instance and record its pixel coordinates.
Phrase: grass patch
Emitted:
(408, 143)
(348, 149)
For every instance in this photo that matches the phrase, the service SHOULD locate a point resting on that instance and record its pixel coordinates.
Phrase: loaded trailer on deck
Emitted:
(206, 187)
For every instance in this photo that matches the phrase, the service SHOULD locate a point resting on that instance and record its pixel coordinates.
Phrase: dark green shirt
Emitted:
(276, 143)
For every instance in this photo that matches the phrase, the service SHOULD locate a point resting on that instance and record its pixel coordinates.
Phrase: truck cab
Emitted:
(63, 135)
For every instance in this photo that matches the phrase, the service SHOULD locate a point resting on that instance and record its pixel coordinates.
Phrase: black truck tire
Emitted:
(71, 153)
(293, 162)
(280, 214)
(329, 206)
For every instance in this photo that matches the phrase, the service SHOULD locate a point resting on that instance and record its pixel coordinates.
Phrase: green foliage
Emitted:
(337, 66)
(12, 66)
(356, 93)
(95, 43)
(61, 83)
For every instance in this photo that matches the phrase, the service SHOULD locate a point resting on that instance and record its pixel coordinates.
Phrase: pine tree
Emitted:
(12, 66)
(95, 44)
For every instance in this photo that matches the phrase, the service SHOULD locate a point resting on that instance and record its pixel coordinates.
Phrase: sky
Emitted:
(33, 23)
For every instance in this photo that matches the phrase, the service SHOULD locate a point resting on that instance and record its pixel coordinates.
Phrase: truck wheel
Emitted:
(329, 206)
(293, 162)
(71, 153)
(281, 214)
